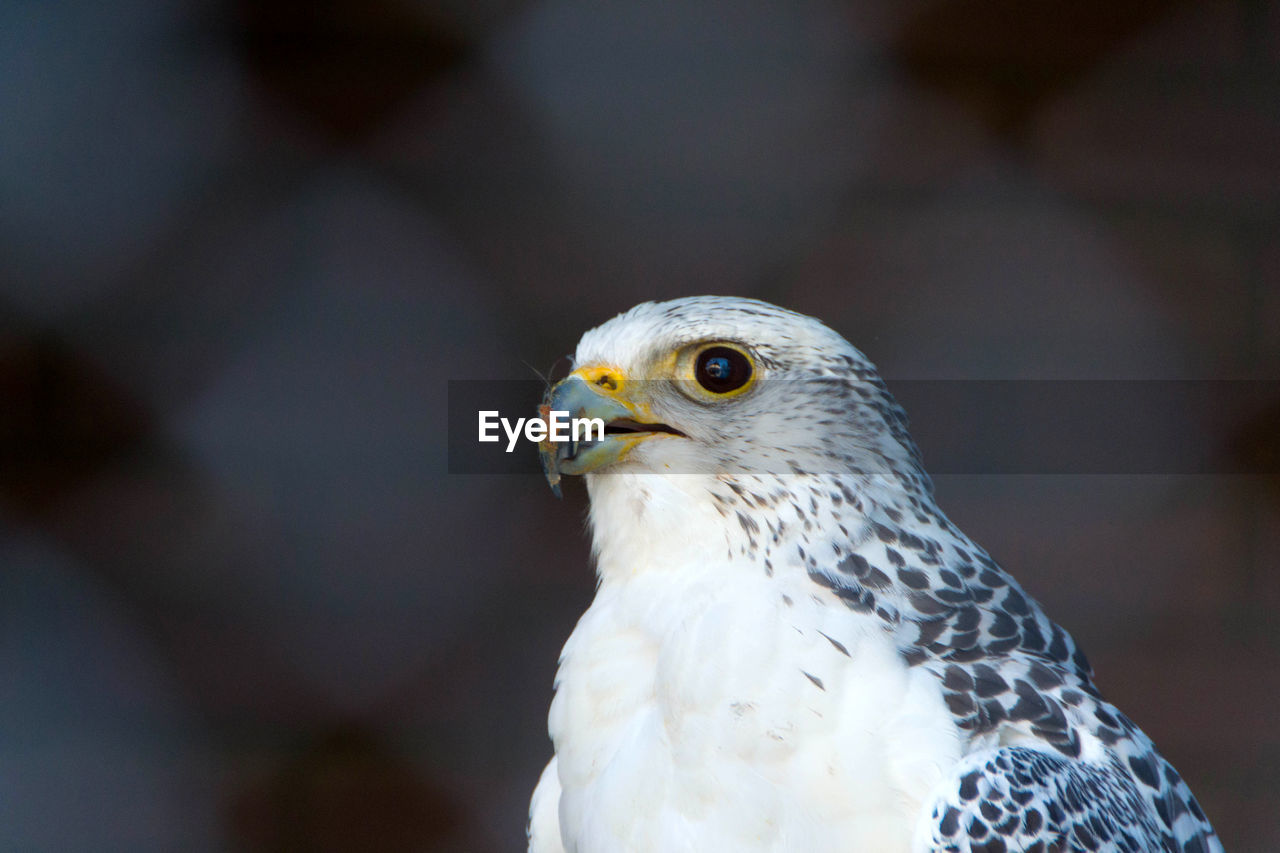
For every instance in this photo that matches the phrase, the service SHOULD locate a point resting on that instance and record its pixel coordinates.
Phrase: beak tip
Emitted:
(550, 466)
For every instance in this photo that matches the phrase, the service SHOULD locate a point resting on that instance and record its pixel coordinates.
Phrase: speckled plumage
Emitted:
(792, 648)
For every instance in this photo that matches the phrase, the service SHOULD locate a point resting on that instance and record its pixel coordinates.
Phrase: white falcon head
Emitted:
(725, 386)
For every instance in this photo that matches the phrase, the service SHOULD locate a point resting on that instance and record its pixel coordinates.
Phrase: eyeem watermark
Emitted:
(557, 427)
(998, 427)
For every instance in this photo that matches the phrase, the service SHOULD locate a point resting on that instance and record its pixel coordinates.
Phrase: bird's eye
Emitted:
(722, 370)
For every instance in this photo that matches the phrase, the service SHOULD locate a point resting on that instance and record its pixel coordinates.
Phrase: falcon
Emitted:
(791, 648)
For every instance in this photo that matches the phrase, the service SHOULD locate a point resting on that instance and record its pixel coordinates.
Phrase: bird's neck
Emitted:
(850, 534)
(778, 525)
(650, 524)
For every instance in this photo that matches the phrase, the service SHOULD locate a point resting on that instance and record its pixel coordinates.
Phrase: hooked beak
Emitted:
(593, 393)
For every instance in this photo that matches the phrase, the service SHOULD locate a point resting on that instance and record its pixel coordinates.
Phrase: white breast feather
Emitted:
(684, 719)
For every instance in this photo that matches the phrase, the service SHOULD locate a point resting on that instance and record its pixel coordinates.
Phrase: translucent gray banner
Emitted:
(971, 427)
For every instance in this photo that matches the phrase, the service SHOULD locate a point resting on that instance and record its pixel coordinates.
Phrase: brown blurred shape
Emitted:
(1004, 59)
(346, 64)
(344, 790)
(61, 420)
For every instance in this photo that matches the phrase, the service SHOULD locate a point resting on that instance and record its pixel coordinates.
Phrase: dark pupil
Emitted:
(721, 370)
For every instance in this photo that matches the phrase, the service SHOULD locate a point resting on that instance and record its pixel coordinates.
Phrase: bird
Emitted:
(791, 647)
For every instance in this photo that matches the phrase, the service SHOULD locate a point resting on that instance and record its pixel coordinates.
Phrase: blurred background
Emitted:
(244, 605)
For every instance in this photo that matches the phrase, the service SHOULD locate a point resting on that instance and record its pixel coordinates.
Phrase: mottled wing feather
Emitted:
(1009, 675)
(1025, 800)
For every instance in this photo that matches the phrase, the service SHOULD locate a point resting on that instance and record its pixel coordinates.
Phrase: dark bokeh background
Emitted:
(244, 605)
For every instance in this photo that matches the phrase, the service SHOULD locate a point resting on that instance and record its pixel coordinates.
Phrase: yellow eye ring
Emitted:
(717, 370)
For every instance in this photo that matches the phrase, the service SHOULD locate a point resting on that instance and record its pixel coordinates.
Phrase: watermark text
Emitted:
(557, 427)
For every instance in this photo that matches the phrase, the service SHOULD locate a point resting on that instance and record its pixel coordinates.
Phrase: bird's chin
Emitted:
(616, 452)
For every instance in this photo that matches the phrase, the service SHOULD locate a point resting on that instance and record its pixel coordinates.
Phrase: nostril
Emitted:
(607, 382)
